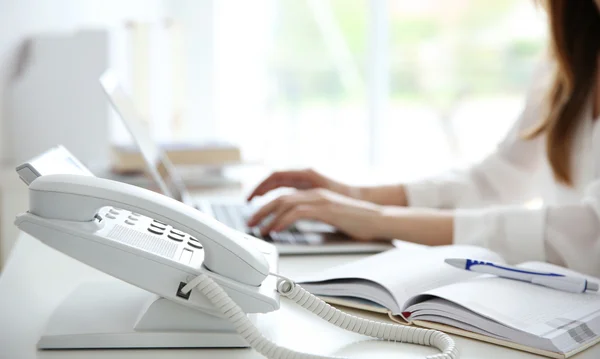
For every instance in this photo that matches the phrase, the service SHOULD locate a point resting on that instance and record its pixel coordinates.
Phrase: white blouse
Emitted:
(489, 197)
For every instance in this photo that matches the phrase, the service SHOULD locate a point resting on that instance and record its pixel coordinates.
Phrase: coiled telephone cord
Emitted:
(287, 288)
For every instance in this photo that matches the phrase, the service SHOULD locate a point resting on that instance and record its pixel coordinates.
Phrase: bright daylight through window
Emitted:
(400, 87)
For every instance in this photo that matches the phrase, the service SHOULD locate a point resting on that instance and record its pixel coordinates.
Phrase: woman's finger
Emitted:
(294, 179)
(263, 212)
(275, 180)
(303, 211)
(282, 204)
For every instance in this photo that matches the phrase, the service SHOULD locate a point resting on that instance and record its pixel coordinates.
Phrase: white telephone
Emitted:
(168, 248)
(147, 239)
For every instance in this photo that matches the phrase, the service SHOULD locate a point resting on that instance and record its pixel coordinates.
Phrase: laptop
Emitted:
(305, 237)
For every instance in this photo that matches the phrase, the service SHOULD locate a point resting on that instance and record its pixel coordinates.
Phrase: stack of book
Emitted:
(200, 165)
(127, 159)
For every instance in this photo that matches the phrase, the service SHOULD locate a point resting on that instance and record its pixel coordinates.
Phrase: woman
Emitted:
(553, 152)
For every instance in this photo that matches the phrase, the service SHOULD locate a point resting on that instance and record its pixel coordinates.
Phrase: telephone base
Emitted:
(115, 314)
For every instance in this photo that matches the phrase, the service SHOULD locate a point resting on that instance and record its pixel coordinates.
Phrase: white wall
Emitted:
(23, 18)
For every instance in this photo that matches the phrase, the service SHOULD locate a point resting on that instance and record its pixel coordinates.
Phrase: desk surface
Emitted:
(37, 278)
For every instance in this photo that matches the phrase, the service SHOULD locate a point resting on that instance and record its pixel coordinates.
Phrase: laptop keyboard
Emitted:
(236, 216)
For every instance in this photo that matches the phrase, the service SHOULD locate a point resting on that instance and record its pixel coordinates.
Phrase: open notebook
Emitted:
(415, 286)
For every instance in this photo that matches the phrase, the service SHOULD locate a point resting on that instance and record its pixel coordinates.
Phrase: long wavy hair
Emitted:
(574, 45)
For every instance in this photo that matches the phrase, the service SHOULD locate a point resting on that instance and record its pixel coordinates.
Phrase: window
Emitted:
(401, 87)
(458, 72)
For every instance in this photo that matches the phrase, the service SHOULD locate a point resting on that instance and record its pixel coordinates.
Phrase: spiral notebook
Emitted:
(415, 287)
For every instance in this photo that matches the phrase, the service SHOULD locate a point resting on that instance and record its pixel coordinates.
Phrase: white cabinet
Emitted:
(55, 98)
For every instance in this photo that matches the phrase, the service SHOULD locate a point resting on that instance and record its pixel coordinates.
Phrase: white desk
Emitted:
(36, 278)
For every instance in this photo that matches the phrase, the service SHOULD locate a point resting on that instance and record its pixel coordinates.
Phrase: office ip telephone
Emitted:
(190, 262)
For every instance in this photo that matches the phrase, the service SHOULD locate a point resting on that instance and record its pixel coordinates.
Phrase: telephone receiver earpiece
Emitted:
(79, 198)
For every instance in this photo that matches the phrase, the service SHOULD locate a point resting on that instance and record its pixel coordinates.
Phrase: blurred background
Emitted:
(401, 88)
(365, 91)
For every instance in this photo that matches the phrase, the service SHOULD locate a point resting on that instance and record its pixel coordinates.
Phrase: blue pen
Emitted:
(546, 279)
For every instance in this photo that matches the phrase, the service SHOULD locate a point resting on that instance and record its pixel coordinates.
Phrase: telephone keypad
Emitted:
(189, 249)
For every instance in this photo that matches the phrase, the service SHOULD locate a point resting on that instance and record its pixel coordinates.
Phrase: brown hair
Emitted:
(574, 46)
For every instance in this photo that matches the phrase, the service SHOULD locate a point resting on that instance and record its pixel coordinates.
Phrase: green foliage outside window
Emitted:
(483, 53)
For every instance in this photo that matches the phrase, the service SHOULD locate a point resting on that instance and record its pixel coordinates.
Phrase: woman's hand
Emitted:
(358, 219)
(389, 195)
(299, 179)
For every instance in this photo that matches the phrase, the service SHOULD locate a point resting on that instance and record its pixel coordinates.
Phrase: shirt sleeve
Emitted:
(567, 235)
(503, 177)
(485, 199)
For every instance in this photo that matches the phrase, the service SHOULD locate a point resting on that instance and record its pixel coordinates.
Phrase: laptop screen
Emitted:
(158, 164)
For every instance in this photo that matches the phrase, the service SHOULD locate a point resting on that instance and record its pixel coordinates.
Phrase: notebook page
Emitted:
(537, 310)
(405, 273)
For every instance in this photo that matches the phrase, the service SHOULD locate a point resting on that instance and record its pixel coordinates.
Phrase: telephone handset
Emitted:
(78, 198)
(122, 230)
(149, 240)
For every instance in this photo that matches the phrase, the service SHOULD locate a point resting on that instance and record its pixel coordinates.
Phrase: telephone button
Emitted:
(113, 211)
(158, 226)
(156, 231)
(159, 222)
(193, 239)
(195, 244)
(131, 223)
(175, 237)
(135, 214)
(174, 234)
(175, 231)
(186, 256)
(111, 216)
(133, 218)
